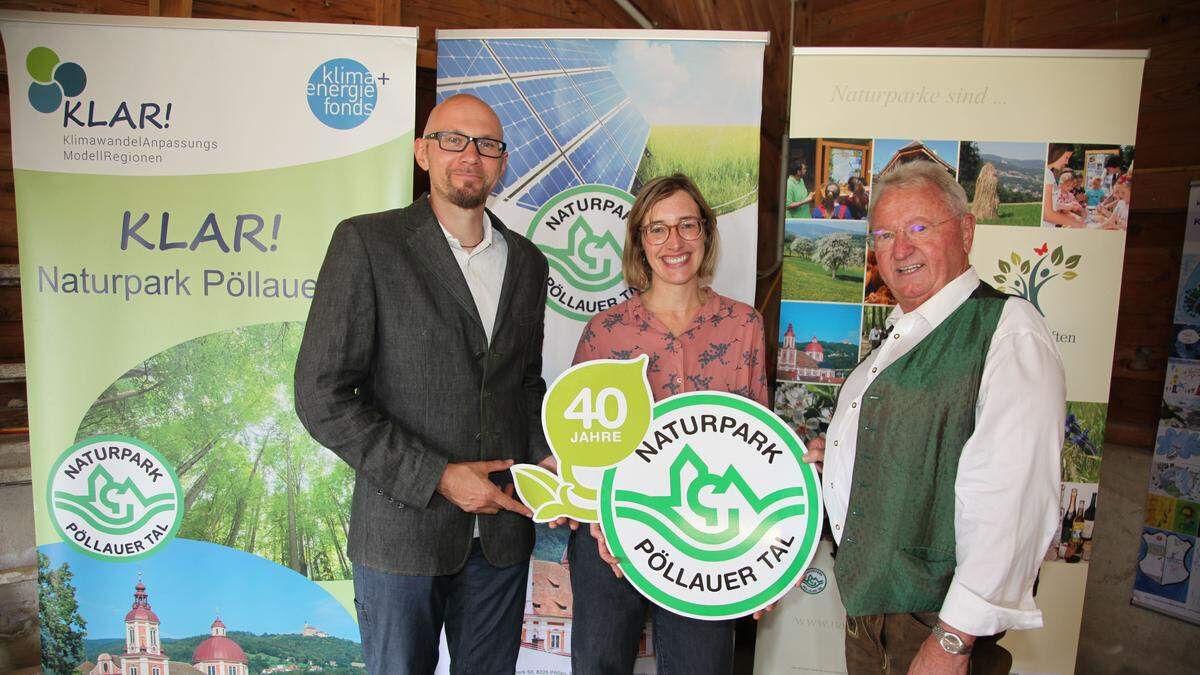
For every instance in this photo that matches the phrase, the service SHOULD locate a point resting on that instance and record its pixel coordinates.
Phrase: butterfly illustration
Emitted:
(1042, 251)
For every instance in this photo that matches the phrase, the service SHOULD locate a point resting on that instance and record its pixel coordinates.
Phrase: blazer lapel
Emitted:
(429, 243)
(512, 272)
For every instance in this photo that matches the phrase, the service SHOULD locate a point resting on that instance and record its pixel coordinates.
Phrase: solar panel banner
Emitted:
(589, 117)
(177, 184)
(1049, 189)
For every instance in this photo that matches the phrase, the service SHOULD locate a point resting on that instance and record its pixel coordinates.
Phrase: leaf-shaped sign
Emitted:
(1056, 256)
(1005, 267)
(1025, 267)
(1069, 275)
(536, 486)
(1016, 259)
(596, 413)
(1072, 261)
(1000, 278)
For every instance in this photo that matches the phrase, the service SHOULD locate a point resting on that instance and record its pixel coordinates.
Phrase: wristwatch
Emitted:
(950, 642)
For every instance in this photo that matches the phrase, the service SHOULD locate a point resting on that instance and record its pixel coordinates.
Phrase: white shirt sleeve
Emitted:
(1006, 490)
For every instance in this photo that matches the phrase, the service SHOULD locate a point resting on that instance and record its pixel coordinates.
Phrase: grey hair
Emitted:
(918, 174)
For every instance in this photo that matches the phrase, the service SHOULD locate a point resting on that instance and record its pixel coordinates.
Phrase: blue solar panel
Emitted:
(631, 128)
(555, 181)
(523, 56)
(602, 90)
(611, 154)
(575, 54)
(560, 105)
(567, 105)
(465, 58)
(528, 143)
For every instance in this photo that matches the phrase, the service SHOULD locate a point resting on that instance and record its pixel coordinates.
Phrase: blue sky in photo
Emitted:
(691, 82)
(829, 321)
(188, 581)
(1013, 150)
(885, 148)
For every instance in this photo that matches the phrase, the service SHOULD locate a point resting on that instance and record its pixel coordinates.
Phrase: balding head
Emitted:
(460, 109)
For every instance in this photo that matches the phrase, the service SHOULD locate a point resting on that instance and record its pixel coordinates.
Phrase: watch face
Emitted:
(951, 643)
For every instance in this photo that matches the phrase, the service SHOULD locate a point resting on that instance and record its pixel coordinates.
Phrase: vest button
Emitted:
(835, 443)
(875, 370)
(854, 404)
(896, 336)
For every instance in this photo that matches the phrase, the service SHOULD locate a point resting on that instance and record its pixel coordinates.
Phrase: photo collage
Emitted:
(835, 304)
(1166, 554)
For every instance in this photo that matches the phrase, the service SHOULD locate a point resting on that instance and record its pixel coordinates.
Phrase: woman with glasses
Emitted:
(697, 340)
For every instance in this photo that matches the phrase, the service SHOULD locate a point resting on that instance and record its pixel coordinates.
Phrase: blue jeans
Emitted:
(400, 618)
(608, 619)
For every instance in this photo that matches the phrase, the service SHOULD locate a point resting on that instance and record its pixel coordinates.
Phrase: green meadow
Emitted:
(723, 160)
(1021, 215)
(806, 280)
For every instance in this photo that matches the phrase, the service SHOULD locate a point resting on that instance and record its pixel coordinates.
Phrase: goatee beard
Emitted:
(466, 199)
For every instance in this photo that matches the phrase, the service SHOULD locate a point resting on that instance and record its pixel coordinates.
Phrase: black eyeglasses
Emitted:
(452, 141)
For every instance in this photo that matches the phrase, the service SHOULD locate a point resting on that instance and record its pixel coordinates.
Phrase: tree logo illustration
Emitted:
(580, 230)
(53, 80)
(114, 497)
(1026, 277)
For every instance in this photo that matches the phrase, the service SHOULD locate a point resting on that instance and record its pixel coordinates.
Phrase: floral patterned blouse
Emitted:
(724, 349)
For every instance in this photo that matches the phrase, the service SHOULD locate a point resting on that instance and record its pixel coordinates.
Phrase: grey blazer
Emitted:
(396, 376)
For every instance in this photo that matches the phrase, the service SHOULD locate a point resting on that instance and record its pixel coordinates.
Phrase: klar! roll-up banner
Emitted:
(589, 117)
(1048, 172)
(177, 183)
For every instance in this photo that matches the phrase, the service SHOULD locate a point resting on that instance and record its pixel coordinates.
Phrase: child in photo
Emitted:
(1095, 194)
(1118, 218)
(1064, 199)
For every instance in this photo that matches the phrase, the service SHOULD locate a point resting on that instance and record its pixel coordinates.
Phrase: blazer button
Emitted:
(391, 500)
(480, 355)
(379, 492)
(399, 506)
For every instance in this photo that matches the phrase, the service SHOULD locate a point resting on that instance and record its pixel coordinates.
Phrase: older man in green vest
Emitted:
(941, 464)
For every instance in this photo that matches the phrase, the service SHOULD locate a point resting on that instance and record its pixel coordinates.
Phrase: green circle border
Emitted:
(70, 541)
(565, 194)
(811, 537)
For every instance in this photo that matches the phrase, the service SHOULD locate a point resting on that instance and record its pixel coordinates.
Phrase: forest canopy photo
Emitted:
(219, 408)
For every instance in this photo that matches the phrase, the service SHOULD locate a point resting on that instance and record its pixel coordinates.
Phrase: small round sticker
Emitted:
(114, 498)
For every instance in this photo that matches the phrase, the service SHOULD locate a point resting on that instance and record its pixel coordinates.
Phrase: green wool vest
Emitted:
(897, 549)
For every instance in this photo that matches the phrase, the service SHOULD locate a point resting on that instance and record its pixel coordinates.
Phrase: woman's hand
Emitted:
(605, 554)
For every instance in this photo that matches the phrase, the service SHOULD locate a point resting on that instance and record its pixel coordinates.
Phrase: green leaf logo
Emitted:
(594, 416)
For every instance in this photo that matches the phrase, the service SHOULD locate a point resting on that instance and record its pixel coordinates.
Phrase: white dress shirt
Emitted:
(1006, 489)
(483, 268)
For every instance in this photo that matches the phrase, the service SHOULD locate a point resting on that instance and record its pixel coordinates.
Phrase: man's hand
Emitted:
(605, 554)
(816, 453)
(551, 464)
(466, 484)
(933, 660)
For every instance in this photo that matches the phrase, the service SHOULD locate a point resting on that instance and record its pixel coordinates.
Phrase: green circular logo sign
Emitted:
(114, 498)
(715, 514)
(580, 230)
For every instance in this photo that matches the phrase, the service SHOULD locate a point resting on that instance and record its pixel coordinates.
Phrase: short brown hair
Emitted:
(634, 264)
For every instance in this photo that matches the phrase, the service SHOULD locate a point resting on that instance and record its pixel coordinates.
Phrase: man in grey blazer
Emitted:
(421, 368)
